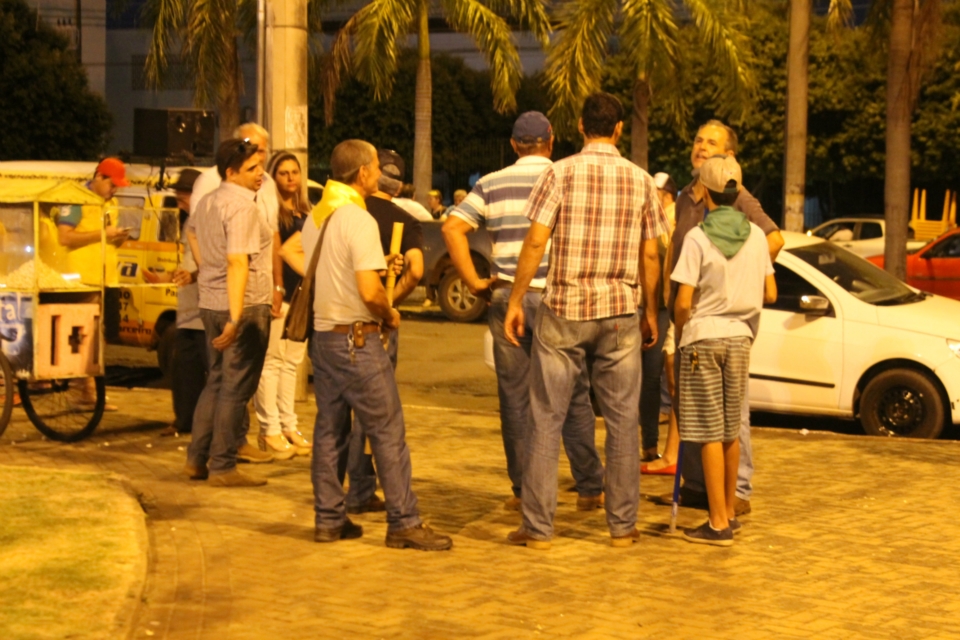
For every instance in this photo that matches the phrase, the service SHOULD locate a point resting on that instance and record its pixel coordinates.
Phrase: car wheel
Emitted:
(902, 403)
(457, 302)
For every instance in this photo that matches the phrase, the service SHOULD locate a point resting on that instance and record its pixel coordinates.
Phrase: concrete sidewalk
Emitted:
(851, 537)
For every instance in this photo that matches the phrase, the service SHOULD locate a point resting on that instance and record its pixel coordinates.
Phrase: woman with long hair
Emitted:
(274, 399)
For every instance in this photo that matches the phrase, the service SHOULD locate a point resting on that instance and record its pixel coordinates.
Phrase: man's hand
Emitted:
(393, 320)
(394, 263)
(182, 277)
(648, 330)
(513, 324)
(481, 286)
(276, 310)
(116, 236)
(226, 338)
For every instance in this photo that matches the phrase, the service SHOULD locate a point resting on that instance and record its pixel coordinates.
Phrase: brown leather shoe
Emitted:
(234, 478)
(512, 503)
(196, 472)
(371, 505)
(589, 503)
(521, 537)
(420, 537)
(347, 531)
(627, 540)
(741, 507)
(249, 453)
(277, 446)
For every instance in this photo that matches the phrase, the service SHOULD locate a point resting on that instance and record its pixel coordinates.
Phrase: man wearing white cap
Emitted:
(726, 262)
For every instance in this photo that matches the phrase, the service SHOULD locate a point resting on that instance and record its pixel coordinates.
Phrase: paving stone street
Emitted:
(850, 537)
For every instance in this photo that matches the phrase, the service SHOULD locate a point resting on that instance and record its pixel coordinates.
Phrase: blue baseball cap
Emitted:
(532, 126)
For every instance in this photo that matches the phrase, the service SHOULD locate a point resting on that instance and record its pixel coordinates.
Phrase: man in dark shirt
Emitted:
(714, 138)
(363, 479)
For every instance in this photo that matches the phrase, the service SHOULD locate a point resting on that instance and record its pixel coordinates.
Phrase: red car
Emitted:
(935, 267)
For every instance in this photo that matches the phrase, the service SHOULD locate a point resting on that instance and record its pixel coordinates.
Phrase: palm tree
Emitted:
(369, 43)
(206, 32)
(914, 45)
(649, 36)
(839, 14)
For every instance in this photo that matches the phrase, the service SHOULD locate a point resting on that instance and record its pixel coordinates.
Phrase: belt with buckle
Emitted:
(367, 327)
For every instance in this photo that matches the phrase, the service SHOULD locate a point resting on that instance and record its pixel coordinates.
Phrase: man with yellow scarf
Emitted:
(350, 371)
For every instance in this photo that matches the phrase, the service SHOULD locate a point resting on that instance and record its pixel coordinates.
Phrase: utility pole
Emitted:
(795, 162)
(284, 94)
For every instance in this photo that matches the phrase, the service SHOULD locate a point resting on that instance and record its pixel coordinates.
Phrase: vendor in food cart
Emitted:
(79, 227)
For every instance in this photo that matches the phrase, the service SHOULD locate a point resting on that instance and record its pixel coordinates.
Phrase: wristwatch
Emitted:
(282, 291)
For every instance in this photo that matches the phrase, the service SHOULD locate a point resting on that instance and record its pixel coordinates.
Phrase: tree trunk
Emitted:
(422, 141)
(795, 161)
(228, 99)
(896, 194)
(640, 124)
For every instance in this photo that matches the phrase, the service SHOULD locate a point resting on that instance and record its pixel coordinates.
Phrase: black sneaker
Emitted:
(688, 498)
(705, 534)
(420, 537)
(347, 531)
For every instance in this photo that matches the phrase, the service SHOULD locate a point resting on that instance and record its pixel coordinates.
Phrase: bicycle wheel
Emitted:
(57, 410)
(6, 392)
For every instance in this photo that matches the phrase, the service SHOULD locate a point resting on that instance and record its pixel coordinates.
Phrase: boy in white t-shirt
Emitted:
(725, 277)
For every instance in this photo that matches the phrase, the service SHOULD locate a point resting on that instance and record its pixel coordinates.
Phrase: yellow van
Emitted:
(136, 312)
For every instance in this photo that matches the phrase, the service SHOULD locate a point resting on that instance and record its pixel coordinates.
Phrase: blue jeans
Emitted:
(692, 464)
(363, 476)
(562, 351)
(650, 400)
(220, 421)
(361, 380)
(513, 386)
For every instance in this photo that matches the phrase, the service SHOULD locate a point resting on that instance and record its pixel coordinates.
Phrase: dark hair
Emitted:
(408, 191)
(348, 157)
(601, 113)
(670, 186)
(284, 215)
(722, 198)
(732, 140)
(232, 153)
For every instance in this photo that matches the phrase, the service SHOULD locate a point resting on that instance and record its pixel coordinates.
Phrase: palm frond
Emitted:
(650, 39)
(531, 14)
(493, 38)
(335, 66)
(380, 28)
(247, 21)
(839, 15)
(576, 56)
(167, 18)
(729, 49)
(210, 45)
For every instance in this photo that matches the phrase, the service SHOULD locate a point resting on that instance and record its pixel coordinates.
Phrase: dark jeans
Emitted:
(562, 350)
(363, 476)
(516, 420)
(361, 380)
(219, 427)
(650, 397)
(190, 366)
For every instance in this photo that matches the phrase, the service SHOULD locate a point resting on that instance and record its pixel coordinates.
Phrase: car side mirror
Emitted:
(814, 305)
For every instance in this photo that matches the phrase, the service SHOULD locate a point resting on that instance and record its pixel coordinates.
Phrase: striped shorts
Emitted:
(713, 385)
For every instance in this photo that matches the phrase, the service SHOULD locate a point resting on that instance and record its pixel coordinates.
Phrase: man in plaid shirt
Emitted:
(603, 217)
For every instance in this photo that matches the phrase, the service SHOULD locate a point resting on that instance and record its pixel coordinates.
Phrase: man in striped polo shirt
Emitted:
(497, 202)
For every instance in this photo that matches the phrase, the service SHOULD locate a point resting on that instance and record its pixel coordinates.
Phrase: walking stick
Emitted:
(394, 248)
(676, 490)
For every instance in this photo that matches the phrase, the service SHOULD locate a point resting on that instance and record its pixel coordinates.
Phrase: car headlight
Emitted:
(954, 346)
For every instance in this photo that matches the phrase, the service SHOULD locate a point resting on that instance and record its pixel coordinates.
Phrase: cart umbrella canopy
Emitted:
(53, 191)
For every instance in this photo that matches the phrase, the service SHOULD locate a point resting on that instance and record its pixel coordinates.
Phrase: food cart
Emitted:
(50, 314)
